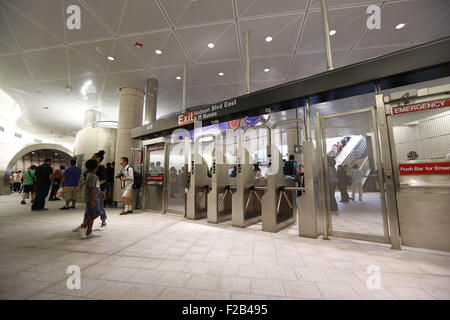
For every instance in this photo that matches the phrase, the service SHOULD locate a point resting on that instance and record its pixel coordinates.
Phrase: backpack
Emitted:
(288, 168)
(137, 179)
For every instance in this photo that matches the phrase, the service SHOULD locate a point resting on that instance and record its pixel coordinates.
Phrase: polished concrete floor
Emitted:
(154, 256)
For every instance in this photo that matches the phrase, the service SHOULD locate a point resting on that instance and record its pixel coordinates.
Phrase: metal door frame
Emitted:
(321, 146)
(166, 177)
(146, 160)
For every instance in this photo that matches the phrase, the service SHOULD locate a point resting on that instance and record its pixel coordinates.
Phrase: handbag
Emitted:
(59, 193)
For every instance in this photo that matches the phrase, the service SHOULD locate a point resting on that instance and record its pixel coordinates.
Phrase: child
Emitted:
(93, 196)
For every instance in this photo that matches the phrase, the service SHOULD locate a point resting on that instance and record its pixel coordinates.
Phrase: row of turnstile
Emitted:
(210, 192)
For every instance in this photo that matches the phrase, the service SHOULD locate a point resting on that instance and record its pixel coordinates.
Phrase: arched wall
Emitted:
(5, 171)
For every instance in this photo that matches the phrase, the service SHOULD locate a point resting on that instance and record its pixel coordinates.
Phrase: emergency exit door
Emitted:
(353, 196)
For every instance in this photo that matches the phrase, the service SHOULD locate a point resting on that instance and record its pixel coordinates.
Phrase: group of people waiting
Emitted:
(341, 179)
(97, 180)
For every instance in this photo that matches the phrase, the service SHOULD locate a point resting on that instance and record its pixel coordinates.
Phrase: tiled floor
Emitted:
(153, 256)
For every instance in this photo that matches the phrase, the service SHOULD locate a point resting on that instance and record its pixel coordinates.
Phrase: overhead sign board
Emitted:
(422, 106)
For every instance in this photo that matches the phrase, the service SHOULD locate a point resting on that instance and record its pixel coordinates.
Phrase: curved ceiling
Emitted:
(55, 74)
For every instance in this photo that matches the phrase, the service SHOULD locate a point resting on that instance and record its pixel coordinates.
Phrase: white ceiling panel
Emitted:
(7, 41)
(348, 23)
(46, 15)
(110, 11)
(188, 12)
(278, 68)
(123, 60)
(150, 42)
(437, 31)
(226, 91)
(90, 26)
(84, 59)
(167, 77)
(283, 30)
(418, 17)
(358, 55)
(223, 36)
(232, 72)
(251, 8)
(134, 79)
(48, 64)
(173, 54)
(23, 27)
(315, 4)
(142, 16)
(13, 70)
(256, 86)
(307, 64)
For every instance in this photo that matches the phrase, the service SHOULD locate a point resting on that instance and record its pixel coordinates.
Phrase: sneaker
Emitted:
(64, 208)
(83, 232)
(130, 211)
(92, 235)
(102, 227)
(44, 209)
(72, 207)
(77, 229)
(123, 213)
(23, 202)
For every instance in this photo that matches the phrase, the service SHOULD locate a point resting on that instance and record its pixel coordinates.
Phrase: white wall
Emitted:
(426, 132)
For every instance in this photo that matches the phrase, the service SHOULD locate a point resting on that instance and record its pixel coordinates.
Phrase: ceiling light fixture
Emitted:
(268, 39)
(178, 78)
(266, 70)
(158, 51)
(220, 74)
(111, 58)
(399, 26)
(332, 32)
(210, 45)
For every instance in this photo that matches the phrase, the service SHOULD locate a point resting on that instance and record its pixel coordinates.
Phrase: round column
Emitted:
(130, 116)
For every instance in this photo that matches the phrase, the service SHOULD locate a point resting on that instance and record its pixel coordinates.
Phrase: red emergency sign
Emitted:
(422, 106)
(186, 118)
(424, 168)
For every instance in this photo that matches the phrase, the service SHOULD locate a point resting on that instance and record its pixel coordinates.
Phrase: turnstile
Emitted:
(220, 193)
(199, 184)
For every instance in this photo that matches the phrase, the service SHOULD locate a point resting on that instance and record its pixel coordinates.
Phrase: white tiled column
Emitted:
(130, 116)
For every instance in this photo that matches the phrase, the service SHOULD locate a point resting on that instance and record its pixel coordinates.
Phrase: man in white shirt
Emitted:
(357, 186)
(126, 177)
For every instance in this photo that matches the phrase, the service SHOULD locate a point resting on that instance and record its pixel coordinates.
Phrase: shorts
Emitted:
(70, 193)
(28, 188)
(92, 212)
(128, 193)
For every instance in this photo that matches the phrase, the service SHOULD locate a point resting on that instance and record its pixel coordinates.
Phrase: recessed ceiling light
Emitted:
(111, 58)
(158, 51)
(268, 39)
(210, 45)
(178, 78)
(399, 26)
(221, 74)
(266, 70)
(332, 32)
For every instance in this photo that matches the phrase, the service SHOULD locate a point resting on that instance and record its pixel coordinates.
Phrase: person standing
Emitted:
(109, 183)
(93, 197)
(101, 174)
(332, 180)
(357, 175)
(44, 179)
(127, 178)
(28, 184)
(69, 183)
(17, 181)
(55, 185)
(342, 178)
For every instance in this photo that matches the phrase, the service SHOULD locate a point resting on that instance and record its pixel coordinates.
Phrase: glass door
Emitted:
(176, 178)
(154, 178)
(355, 198)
